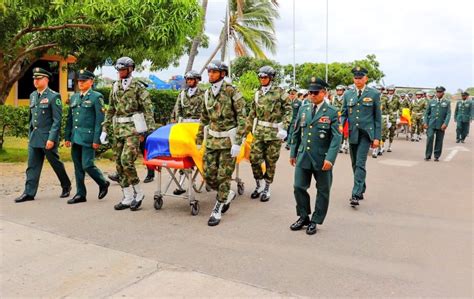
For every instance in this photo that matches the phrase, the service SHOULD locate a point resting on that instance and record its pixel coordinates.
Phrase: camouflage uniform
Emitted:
(393, 108)
(337, 102)
(220, 113)
(188, 107)
(417, 110)
(269, 112)
(124, 104)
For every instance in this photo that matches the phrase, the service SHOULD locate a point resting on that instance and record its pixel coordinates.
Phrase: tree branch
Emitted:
(48, 28)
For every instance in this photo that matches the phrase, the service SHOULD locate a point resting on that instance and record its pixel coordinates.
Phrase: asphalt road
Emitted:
(411, 236)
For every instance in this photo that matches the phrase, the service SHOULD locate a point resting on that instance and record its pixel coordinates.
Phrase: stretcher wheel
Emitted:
(195, 208)
(158, 202)
(240, 188)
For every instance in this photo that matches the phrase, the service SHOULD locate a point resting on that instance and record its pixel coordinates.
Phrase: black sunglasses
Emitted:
(315, 93)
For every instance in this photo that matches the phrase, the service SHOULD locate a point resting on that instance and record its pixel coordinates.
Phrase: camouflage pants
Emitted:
(385, 129)
(126, 151)
(416, 124)
(218, 169)
(392, 130)
(268, 152)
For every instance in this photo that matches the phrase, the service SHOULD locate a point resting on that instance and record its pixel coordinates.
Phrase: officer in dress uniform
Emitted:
(82, 133)
(43, 138)
(362, 109)
(295, 106)
(314, 148)
(462, 117)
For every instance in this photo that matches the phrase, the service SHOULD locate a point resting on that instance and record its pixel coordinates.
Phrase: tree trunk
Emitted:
(197, 40)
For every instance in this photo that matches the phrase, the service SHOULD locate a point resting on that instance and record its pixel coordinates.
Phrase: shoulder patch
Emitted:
(58, 102)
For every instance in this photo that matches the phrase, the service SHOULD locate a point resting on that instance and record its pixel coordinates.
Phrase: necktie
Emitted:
(315, 107)
(360, 93)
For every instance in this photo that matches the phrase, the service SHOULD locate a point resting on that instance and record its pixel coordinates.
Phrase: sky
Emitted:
(418, 43)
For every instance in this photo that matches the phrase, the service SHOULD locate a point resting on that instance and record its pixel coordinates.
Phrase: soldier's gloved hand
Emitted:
(282, 134)
(235, 150)
(103, 138)
(198, 146)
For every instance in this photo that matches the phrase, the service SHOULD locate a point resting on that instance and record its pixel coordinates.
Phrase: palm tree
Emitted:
(251, 28)
(197, 40)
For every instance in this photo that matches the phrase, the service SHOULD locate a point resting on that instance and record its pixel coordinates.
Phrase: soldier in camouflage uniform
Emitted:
(130, 114)
(268, 119)
(188, 109)
(223, 124)
(392, 109)
(378, 151)
(295, 106)
(337, 102)
(418, 108)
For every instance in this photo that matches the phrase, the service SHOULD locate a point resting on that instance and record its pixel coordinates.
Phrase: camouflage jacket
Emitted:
(221, 113)
(419, 106)
(125, 103)
(273, 107)
(188, 107)
(404, 104)
(337, 102)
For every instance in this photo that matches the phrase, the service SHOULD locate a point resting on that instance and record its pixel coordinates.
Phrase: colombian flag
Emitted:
(406, 117)
(179, 141)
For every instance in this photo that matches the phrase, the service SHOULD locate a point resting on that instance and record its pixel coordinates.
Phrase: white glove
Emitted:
(398, 121)
(103, 138)
(282, 134)
(235, 150)
(198, 146)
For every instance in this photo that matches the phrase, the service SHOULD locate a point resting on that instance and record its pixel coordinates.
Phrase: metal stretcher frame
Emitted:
(405, 127)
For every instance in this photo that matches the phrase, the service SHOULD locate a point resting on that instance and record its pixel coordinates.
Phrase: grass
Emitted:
(15, 150)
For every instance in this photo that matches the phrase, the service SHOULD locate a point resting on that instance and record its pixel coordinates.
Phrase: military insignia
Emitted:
(358, 68)
(44, 101)
(313, 79)
(367, 100)
(350, 110)
(37, 69)
(324, 120)
(81, 71)
(87, 102)
(322, 135)
(58, 102)
(303, 119)
(341, 129)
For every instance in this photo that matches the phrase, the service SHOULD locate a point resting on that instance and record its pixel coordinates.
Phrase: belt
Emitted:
(267, 124)
(189, 120)
(123, 120)
(217, 134)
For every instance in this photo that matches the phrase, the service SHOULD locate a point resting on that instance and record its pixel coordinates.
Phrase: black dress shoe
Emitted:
(24, 197)
(121, 206)
(436, 159)
(213, 221)
(360, 197)
(300, 223)
(458, 140)
(114, 177)
(66, 192)
(354, 201)
(148, 179)
(427, 159)
(77, 199)
(135, 205)
(103, 190)
(311, 229)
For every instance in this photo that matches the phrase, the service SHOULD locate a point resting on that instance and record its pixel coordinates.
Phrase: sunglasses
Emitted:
(314, 93)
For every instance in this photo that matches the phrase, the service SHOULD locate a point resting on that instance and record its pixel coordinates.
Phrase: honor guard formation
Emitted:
(316, 125)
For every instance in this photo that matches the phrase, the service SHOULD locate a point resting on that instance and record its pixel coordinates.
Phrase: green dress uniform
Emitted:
(362, 109)
(295, 107)
(462, 116)
(44, 124)
(83, 128)
(437, 113)
(316, 138)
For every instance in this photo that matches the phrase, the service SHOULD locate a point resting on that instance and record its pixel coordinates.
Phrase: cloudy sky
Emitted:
(418, 43)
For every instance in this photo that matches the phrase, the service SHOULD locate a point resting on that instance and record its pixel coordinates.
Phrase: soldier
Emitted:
(462, 117)
(295, 106)
(223, 124)
(417, 109)
(130, 114)
(362, 109)
(188, 109)
(393, 110)
(313, 151)
(378, 151)
(337, 103)
(269, 116)
(43, 137)
(83, 128)
(430, 95)
(436, 120)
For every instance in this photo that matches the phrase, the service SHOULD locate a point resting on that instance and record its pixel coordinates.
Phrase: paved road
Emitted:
(411, 236)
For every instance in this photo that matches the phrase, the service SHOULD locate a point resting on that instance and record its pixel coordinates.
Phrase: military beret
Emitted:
(85, 75)
(317, 84)
(39, 73)
(465, 93)
(440, 89)
(359, 71)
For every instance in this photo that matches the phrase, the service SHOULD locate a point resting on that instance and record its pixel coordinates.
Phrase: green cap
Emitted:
(39, 73)
(85, 75)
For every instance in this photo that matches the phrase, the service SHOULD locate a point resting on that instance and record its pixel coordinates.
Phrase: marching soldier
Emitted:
(82, 133)
(43, 138)
(223, 124)
(188, 108)
(417, 110)
(436, 120)
(362, 109)
(337, 103)
(268, 119)
(462, 117)
(313, 151)
(295, 106)
(378, 151)
(393, 108)
(131, 116)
